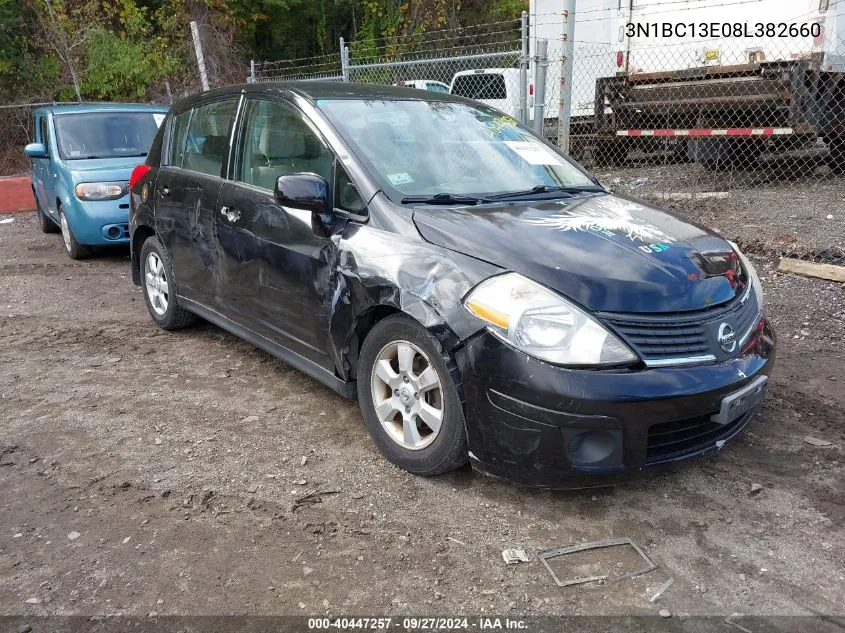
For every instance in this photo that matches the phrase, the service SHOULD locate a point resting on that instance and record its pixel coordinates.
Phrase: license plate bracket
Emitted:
(741, 402)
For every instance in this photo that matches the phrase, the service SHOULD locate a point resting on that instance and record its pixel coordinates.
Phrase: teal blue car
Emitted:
(82, 158)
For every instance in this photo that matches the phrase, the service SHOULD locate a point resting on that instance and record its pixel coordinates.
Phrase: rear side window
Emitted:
(481, 86)
(176, 149)
(431, 87)
(207, 138)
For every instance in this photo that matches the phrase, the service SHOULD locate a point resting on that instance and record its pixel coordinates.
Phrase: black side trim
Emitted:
(346, 389)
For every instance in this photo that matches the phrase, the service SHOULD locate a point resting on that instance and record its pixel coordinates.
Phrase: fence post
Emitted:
(195, 33)
(541, 65)
(564, 118)
(344, 59)
(251, 78)
(523, 70)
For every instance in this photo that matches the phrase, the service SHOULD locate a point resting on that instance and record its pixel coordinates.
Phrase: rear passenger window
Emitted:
(207, 139)
(277, 142)
(176, 149)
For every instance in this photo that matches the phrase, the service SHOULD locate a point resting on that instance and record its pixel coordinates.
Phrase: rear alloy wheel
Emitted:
(74, 248)
(409, 402)
(159, 288)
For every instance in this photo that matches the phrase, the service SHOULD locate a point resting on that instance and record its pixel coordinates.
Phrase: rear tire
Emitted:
(74, 249)
(408, 399)
(46, 223)
(159, 285)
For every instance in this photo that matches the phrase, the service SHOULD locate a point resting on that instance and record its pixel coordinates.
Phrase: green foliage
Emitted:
(125, 49)
(118, 68)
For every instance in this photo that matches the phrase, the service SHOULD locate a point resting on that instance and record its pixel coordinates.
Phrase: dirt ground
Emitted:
(149, 472)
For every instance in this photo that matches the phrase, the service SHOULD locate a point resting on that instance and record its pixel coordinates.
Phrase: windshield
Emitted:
(420, 148)
(106, 134)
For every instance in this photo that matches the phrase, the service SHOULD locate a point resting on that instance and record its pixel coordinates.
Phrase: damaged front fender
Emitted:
(380, 272)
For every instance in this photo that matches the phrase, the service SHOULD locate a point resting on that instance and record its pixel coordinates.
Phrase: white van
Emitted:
(424, 84)
(496, 87)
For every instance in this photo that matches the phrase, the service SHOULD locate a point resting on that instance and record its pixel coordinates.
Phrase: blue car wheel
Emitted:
(74, 249)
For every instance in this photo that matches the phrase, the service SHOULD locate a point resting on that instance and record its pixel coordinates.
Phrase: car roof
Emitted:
(316, 90)
(79, 108)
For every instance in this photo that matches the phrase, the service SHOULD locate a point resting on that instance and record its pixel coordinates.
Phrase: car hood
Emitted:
(104, 169)
(606, 252)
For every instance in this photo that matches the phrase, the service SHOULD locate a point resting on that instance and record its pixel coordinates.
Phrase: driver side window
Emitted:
(278, 142)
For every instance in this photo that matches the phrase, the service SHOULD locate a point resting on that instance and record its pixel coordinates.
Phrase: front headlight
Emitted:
(752, 274)
(543, 324)
(100, 190)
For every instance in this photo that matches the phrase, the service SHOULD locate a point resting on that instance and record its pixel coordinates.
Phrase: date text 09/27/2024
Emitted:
(417, 624)
(706, 30)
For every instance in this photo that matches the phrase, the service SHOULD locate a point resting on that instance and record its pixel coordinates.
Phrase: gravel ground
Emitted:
(761, 209)
(144, 471)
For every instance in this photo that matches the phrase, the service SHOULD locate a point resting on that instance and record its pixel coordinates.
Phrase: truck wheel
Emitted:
(408, 398)
(836, 155)
(610, 153)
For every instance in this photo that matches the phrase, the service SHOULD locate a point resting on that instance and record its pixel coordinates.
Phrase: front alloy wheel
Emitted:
(408, 399)
(407, 395)
(74, 249)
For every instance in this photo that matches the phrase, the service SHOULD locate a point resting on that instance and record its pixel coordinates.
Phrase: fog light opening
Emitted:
(113, 232)
(594, 447)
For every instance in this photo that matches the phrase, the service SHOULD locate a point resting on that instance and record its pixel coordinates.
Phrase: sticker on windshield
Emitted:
(400, 178)
(533, 153)
(158, 118)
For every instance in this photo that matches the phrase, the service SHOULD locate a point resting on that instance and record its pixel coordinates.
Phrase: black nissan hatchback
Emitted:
(482, 295)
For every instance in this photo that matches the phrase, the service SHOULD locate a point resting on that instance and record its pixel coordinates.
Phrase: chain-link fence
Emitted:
(16, 130)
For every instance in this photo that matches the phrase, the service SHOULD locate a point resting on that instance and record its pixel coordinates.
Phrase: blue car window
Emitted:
(105, 134)
(43, 132)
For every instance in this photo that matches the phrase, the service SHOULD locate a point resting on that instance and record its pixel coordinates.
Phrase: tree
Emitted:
(66, 29)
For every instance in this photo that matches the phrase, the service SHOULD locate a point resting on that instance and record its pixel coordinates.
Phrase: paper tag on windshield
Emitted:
(533, 153)
(158, 118)
(401, 178)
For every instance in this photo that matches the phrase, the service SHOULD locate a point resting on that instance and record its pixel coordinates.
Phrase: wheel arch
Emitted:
(140, 235)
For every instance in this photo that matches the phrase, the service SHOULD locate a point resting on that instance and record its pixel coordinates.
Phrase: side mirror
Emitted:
(303, 191)
(35, 150)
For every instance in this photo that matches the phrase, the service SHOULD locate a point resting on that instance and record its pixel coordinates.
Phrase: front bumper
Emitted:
(99, 222)
(538, 424)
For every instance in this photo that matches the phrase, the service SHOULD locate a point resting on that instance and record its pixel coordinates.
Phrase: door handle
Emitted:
(233, 215)
(164, 191)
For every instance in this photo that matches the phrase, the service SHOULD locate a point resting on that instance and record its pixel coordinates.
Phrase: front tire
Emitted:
(47, 225)
(159, 285)
(408, 399)
(74, 249)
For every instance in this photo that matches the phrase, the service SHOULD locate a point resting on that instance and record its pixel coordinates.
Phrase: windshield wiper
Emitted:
(546, 189)
(443, 198)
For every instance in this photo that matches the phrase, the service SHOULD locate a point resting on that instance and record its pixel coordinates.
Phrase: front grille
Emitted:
(684, 335)
(669, 440)
(664, 340)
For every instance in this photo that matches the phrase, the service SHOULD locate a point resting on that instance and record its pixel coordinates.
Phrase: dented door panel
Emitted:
(274, 270)
(185, 207)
